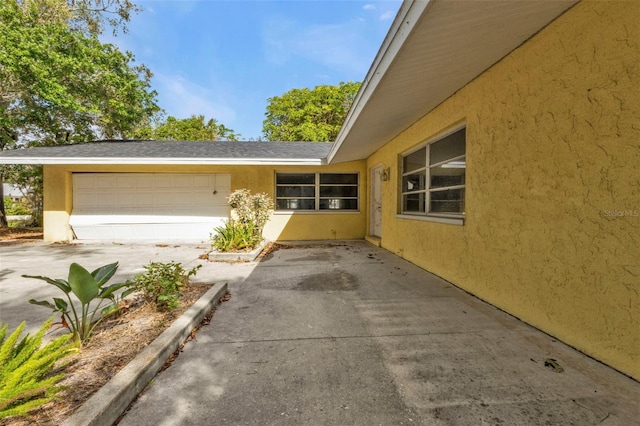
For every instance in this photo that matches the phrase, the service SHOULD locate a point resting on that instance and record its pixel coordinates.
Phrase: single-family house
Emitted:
(493, 143)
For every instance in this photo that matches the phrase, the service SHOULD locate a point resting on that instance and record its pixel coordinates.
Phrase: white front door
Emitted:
(375, 215)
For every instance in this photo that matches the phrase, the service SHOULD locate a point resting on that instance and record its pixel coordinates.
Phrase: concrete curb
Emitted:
(249, 256)
(106, 405)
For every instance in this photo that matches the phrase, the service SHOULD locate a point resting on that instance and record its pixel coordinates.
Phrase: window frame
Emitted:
(317, 197)
(426, 187)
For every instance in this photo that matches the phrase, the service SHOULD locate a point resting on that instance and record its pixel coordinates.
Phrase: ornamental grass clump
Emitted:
(243, 231)
(27, 379)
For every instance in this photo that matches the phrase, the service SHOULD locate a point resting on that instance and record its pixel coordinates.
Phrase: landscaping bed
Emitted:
(114, 344)
(17, 234)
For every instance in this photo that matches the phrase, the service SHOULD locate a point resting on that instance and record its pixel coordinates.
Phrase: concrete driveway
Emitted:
(53, 260)
(344, 333)
(350, 334)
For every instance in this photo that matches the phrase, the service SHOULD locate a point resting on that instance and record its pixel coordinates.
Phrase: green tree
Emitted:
(194, 128)
(59, 83)
(309, 114)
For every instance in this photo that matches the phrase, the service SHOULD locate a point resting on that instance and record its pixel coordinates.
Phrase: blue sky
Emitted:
(224, 59)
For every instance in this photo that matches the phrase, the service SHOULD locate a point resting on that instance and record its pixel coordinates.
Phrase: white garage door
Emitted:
(144, 206)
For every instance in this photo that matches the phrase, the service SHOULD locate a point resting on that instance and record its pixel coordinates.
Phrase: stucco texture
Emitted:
(552, 226)
(58, 198)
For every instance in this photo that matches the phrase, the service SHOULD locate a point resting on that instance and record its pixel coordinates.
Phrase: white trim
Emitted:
(296, 212)
(403, 24)
(438, 219)
(316, 185)
(165, 161)
(437, 137)
(429, 190)
(375, 188)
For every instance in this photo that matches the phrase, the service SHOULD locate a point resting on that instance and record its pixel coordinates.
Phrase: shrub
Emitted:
(251, 209)
(248, 216)
(235, 236)
(87, 288)
(162, 283)
(26, 379)
(16, 208)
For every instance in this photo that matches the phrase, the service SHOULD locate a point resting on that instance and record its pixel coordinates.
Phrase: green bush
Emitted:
(251, 209)
(163, 282)
(16, 208)
(235, 236)
(26, 369)
(243, 231)
(87, 288)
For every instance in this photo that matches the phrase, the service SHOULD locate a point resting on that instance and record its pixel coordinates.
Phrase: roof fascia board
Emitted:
(403, 24)
(165, 161)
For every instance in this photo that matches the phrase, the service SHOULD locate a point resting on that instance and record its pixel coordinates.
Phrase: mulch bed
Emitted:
(8, 234)
(114, 344)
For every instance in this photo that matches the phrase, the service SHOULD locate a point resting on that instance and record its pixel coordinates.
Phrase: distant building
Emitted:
(12, 191)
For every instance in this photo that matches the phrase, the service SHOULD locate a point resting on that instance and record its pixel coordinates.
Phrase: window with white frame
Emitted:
(317, 191)
(433, 177)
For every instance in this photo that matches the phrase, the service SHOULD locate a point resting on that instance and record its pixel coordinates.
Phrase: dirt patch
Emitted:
(114, 344)
(8, 234)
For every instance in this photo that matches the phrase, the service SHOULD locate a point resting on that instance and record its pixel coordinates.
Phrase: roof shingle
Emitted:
(172, 152)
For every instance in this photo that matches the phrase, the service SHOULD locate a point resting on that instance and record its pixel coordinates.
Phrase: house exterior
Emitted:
(177, 189)
(496, 144)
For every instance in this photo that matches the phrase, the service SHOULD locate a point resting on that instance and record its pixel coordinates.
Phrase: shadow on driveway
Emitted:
(349, 334)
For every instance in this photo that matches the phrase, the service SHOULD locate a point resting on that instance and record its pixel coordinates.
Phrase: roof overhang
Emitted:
(433, 49)
(165, 153)
(165, 161)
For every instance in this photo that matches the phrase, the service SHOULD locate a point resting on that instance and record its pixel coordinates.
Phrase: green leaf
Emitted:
(61, 284)
(127, 292)
(109, 310)
(104, 273)
(61, 304)
(108, 291)
(43, 303)
(82, 284)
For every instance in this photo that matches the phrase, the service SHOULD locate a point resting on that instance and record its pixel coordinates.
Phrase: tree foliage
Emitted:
(59, 83)
(194, 128)
(309, 114)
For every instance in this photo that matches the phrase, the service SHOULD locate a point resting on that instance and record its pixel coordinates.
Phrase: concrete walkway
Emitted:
(349, 334)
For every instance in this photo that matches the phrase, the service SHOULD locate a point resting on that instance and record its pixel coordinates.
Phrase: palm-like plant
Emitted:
(87, 288)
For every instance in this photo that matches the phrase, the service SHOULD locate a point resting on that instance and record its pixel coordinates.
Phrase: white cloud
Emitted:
(337, 46)
(182, 98)
(387, 15)
(369, 7)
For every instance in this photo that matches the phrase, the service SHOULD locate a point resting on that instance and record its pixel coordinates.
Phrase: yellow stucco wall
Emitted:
(552, 229)
(282, 226)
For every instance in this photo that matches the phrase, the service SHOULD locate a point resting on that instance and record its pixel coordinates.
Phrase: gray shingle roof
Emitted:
(172, 152)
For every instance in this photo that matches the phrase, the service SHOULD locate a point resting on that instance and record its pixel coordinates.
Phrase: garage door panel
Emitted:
(186, 181)
(107, 200)
(148, 206)
(88, 199)
(205, 182)
(144, 199)
(84, 184)
(123, 201)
